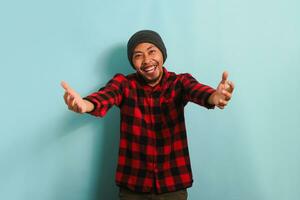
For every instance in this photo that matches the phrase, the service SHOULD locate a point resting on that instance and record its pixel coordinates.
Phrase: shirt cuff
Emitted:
(208, 105)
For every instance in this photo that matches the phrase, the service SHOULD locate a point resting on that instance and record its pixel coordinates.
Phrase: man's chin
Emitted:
(151, 80)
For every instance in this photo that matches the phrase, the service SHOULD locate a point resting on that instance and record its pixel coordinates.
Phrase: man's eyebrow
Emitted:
(137, 52)
(141, 51)
(150, 47)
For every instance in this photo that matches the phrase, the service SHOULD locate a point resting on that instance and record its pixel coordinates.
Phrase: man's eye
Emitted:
(152, 51)
(137, 56)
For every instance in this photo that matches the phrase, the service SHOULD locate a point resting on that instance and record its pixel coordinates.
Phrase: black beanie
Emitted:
(145, 36)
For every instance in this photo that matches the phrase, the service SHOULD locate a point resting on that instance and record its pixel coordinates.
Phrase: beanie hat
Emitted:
(145, 36)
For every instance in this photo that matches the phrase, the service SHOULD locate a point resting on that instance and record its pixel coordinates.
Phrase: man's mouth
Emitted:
(149, 69)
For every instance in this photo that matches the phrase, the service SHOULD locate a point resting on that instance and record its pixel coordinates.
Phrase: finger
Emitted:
(65, 85)
(224, 77)
(67, 88)
(66, 98)
(221, 107)
(72, 107)
(226, 94)
(75, 107)
(222, 102)
(231, 84)
(73, 103)
(70, 100)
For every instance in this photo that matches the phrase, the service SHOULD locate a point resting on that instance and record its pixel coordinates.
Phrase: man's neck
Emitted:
(153, 84)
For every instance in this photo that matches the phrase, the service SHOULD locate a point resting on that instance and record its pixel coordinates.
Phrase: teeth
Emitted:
(149, 69)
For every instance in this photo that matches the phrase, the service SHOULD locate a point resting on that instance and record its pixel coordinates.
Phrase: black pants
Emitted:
(125, 194)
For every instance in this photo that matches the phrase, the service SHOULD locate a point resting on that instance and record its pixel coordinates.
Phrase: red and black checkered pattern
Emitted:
(153, 147)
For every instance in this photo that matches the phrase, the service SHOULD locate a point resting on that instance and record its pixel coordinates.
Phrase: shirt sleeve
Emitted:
(107, 96)
(196, 92)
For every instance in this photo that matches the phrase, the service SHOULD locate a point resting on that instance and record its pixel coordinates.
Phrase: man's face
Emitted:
(148, 61)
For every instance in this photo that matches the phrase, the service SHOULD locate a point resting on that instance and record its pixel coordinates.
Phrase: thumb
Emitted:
(66, 86)
(70, 90)
(224, 77)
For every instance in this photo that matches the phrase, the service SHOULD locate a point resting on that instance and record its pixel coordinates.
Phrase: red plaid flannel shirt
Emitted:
(153, 149)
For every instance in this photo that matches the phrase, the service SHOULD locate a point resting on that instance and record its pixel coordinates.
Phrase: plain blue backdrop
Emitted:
(248, 151)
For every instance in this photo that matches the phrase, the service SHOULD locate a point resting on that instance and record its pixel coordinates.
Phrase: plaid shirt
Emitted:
(153, 149)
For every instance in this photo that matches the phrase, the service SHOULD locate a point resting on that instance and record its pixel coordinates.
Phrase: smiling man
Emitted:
(154, 160)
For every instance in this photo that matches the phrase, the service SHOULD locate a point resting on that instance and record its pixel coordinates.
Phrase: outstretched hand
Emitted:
(223, 93)
(73, 99)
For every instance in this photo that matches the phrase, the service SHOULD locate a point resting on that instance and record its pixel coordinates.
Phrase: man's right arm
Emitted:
(106, 97)
(97, 103)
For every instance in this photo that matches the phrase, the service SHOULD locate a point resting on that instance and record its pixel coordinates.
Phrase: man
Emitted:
(153, 158)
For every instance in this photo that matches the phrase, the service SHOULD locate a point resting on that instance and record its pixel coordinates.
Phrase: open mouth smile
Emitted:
(149, 69)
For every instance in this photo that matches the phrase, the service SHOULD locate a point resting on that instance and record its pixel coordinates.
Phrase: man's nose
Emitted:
(146, 59)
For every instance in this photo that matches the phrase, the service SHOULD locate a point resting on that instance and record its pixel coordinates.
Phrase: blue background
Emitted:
(248, 151)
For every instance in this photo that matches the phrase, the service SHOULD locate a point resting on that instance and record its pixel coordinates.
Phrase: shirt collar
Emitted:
(162, 82)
